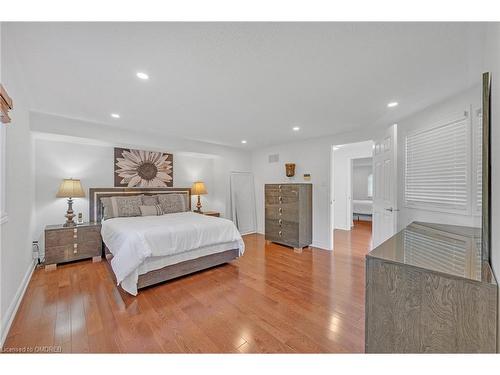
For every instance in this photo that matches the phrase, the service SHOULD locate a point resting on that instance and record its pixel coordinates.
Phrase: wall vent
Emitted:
(274, 158)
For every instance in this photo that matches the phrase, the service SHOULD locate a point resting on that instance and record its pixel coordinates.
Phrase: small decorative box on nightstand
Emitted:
(66, 244)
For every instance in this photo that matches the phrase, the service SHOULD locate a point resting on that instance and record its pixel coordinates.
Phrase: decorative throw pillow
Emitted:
(172, 203)
(121, 206)
(154, 210)
(150, 200)
(127, 206)
(108, 208)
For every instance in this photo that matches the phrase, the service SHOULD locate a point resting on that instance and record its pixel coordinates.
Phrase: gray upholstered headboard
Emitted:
(95, 195)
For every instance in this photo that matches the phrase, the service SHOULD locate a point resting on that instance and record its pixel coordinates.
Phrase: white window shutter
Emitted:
(478, 164)
(437, 168)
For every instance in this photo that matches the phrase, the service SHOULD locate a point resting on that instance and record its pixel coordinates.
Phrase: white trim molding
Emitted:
(14, 305)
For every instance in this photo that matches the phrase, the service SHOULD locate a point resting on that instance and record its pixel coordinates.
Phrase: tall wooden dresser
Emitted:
(288, 213)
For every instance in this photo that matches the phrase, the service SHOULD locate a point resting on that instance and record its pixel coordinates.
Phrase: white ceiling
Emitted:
(224, 82)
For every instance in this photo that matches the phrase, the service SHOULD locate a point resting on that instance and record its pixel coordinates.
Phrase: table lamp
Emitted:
(70, 188)
(198, 189)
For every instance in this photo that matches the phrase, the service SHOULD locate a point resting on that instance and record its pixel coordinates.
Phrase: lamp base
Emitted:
(69, 214)
(198, 206)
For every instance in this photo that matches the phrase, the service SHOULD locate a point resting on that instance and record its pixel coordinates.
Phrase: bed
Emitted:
(362, 208)
(147, 250)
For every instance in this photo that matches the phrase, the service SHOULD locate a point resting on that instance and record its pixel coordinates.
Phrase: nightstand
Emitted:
(66, 244)
(209, 213)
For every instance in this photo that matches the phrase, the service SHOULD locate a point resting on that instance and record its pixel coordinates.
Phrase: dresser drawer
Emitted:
(56, 254)
(68, 253)
(288, 212)
(57, 238)
(281, 196)
(72, 243)
(282, 231)
(88, 235)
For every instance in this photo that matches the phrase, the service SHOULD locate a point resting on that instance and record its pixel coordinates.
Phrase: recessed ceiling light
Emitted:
(296, 128)
(142, 75)
(115, 115)
(243, 141)
(392, 104)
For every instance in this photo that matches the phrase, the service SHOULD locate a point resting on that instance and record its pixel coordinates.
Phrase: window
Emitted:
(438, 168)
(3, 214)
(370, 185)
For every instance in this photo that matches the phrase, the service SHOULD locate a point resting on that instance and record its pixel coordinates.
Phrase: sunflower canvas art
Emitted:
(139, 168)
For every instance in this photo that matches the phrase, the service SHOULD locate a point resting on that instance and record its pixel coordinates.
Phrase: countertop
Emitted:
(448, 249)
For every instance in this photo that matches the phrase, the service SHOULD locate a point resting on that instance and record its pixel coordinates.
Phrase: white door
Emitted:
(384, 187)
(243, 202)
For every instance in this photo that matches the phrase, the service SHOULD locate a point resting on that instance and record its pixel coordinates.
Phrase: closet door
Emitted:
(243, 202)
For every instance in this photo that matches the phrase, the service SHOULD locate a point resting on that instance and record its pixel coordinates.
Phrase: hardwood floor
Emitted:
(271, 300)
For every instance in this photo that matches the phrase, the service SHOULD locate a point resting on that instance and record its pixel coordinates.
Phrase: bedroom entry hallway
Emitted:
(351, 185)
(271, 300)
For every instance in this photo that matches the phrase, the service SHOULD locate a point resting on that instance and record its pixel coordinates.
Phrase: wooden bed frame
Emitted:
(169, 272)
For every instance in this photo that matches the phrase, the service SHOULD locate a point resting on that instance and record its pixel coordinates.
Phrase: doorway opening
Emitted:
(361, 208)
(346, 159)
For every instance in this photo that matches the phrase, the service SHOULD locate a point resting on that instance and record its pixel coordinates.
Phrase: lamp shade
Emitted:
(198, 188)
(70, 188)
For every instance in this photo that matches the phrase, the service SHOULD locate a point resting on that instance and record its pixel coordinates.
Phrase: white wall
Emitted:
(311, 156)
(343, 157)
(448, 109)
(360, 179)
(16, 256)
(492, 64)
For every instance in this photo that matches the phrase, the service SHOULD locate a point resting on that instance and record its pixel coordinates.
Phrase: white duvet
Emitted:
(131, 240)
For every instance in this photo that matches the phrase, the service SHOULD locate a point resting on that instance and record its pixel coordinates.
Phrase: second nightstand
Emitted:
(66, 244)
(209, 213)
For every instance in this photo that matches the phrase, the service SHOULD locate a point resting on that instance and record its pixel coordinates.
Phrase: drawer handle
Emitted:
(75, 251)
(280, 221)
(75, 230)
(75, 245)
(75, 236)
(279, 186)
(279, 233)
(280, 198)
(280, 210)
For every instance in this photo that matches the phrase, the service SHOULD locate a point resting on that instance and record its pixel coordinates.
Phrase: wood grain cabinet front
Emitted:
(429, 291)
(66, 244)
(288, 214)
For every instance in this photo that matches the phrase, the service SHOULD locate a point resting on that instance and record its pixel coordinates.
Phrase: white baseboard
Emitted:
(322, 246)
(14, 305)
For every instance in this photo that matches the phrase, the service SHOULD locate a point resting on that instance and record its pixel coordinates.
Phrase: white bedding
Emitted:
(133, 240)
(362, 206)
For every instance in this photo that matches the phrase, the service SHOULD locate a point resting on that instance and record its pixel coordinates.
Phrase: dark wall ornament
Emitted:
(290, 169)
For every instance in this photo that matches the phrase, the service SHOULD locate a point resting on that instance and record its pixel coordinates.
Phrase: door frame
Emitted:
(331, 200)
(331, 190)
(394, 186)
